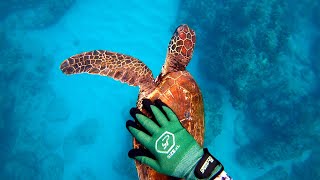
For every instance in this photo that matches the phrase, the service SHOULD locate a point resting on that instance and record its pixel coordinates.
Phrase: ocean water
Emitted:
(256, 63)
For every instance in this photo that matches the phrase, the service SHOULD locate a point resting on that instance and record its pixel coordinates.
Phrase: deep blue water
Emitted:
(257, 64)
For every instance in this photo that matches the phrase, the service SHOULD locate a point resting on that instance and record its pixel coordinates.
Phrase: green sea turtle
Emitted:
(174, 86)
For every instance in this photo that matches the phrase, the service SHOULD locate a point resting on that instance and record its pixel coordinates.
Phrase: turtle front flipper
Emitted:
(118, 66)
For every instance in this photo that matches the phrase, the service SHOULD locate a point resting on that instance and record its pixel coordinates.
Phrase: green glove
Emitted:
(172, 150)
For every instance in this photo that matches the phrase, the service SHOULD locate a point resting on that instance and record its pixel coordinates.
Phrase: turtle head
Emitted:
(182, 42)
(180, 49)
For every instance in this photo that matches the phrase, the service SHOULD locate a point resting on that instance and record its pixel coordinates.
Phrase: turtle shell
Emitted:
(181, 93)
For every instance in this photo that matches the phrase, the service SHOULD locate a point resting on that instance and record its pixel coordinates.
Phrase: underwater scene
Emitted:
(257, 64)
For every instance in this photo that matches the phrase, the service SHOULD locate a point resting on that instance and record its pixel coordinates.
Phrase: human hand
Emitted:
(172, 150)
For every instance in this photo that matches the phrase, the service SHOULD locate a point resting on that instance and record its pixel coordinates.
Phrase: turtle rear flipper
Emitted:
(118, 66)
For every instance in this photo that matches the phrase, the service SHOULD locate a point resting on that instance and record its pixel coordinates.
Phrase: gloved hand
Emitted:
(174, 151)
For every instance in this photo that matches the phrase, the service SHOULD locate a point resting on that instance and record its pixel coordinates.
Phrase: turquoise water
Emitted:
(257, 64)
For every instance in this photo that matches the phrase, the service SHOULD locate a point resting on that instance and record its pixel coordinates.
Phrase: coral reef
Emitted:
(316, 15)
(250, 47)
(241, 131)
(275, 173)
(266, 152)
(23, 98)
(213, 113)
(7, 126)
(22, 165)
(308, 169)
(241, 48)
(26, 102)
(9, 123)
(314, 56)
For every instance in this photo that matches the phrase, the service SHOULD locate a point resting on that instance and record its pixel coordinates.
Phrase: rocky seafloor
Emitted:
(28, 148)
(266, 54)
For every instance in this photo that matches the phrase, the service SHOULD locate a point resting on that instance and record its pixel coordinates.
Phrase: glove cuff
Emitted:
(188, 162)
(208, 166)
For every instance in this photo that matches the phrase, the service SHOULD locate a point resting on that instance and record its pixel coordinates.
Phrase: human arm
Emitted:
(173, 150)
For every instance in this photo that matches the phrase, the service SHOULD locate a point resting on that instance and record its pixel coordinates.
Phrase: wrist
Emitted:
(189, 161)
(207, 167)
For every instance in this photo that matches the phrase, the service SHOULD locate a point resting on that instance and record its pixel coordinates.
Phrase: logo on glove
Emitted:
(165, 143)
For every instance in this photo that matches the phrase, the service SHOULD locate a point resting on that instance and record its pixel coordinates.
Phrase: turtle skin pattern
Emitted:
(182, 42)
(180, 50)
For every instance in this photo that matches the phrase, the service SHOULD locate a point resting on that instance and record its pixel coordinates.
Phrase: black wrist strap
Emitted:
(207, 166)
